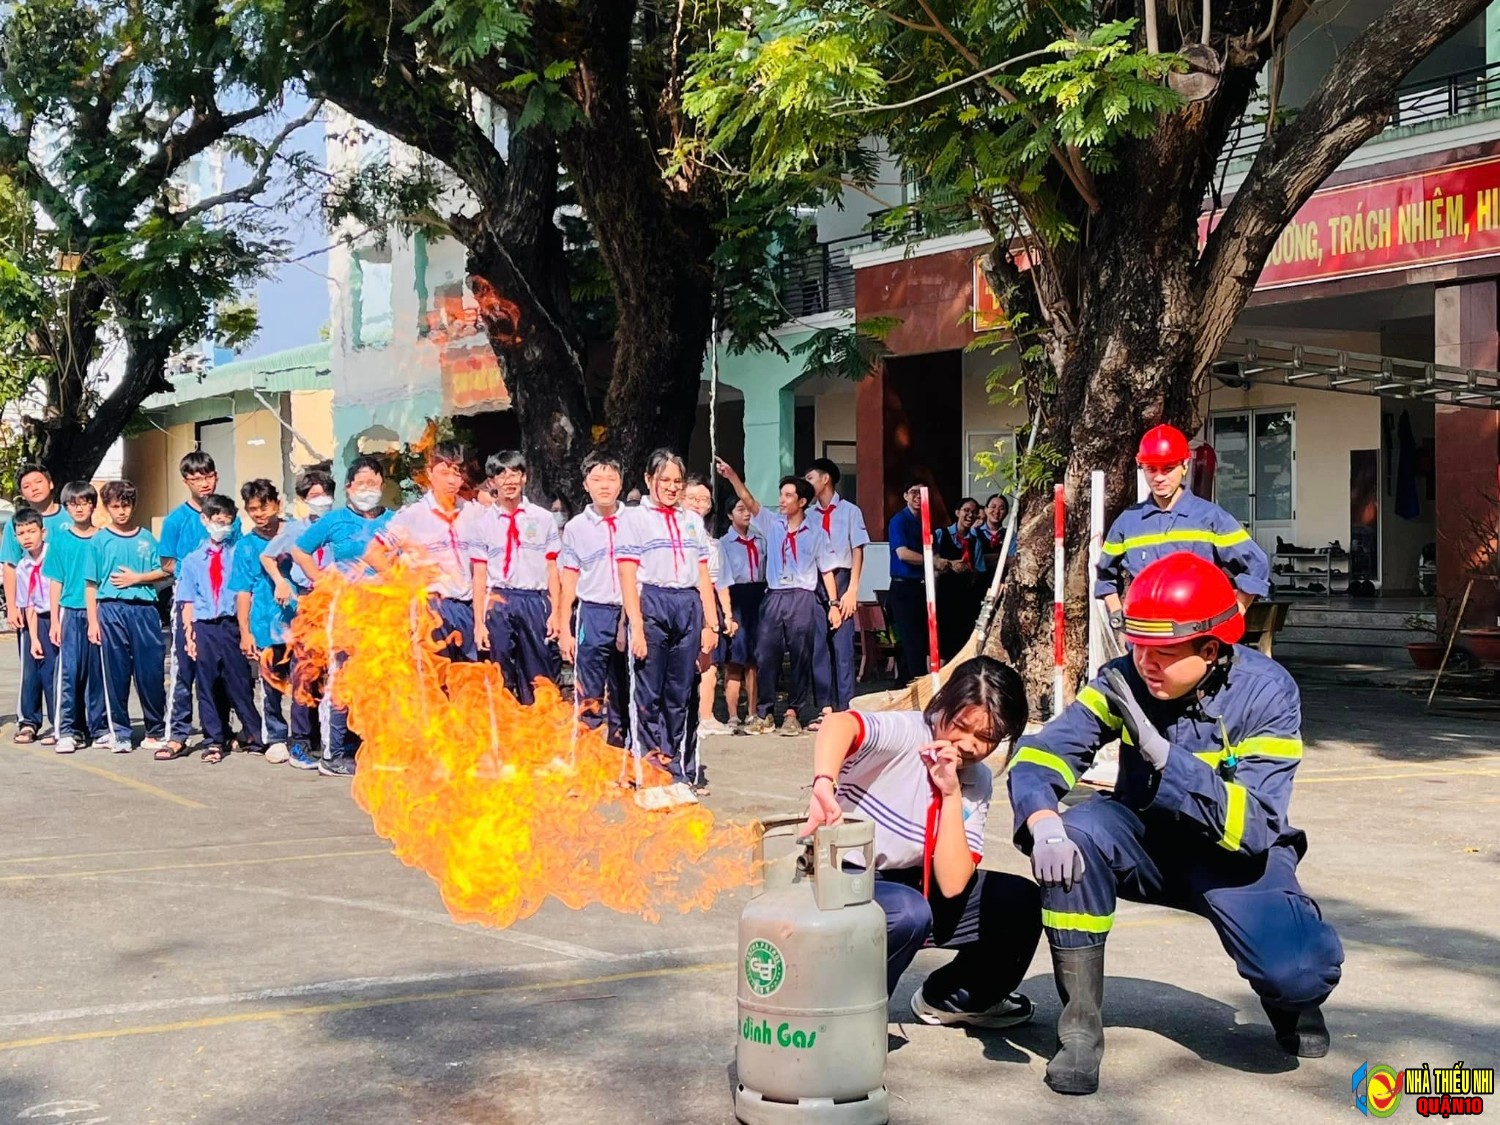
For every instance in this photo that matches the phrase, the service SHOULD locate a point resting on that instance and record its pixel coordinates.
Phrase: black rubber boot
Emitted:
(1302, 1033)
(1079, 973)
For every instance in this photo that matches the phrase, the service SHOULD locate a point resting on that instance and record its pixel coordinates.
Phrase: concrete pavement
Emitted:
(233, 945)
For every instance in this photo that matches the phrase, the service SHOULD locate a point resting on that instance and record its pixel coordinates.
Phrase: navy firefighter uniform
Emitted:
(1198, 820)
(1176, 521)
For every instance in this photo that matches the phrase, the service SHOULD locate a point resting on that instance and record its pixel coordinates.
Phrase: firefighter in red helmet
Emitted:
(1210, 741)
(1173, 519)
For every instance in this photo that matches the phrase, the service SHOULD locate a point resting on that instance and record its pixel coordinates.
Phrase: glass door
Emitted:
(1256, 476)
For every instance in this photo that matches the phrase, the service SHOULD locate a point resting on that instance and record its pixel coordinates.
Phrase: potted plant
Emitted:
(1426, 653)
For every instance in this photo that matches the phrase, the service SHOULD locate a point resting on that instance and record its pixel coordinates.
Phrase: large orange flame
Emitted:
(502, 804)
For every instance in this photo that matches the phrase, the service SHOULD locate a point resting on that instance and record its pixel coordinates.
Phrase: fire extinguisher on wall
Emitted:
(1201, 475)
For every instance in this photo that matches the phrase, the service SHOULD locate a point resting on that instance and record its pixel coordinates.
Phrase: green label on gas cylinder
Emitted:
(764, 968)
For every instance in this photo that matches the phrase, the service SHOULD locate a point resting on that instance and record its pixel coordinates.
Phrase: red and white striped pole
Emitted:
(934, 657)
(1059, 619)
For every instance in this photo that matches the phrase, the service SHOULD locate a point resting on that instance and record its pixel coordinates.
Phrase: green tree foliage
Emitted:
(1087, 148)
(114, 117)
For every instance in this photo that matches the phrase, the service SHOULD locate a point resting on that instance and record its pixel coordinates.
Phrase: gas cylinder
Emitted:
(811, 1040)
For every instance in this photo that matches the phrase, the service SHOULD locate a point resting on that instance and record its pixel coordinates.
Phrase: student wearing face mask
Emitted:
(340, 539)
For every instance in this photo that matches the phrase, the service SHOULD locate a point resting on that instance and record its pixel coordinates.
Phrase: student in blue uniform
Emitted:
(514, 545)
(263, 617)
(122, 596)
(844, 525)
(1210, 742)
(799, 561)
(212, 629)
(339, 539)
(34, 638)
(590, 576)
(80, 665)
(35, 484)
(1172, 519)
(669, 604)
(181, 533)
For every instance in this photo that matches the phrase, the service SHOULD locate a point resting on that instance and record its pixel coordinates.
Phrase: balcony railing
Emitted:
(820, 279)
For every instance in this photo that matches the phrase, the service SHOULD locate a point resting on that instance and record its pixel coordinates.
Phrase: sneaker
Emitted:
(713, 726)
(791, 727)
(153, 744)
(342, 766)
(105, 742)
(1013, 1010)
(300, 757)
(276, 753)
(66, 744)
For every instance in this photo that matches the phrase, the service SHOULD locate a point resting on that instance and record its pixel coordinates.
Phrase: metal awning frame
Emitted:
(1333, 369)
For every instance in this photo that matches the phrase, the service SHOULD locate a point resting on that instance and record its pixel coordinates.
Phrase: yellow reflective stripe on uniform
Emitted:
(1088, 923)
(1212, 757)
(1110, 547)
(1269, 746)
(1185, 535)
(1234, 817)
(1041, 758)
(1094, 700)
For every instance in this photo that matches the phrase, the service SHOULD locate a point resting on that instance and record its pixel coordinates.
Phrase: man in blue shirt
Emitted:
(35, 484)
(1172, 519)
(211, 631)
(122, 596)
(844, 524)
(182, 532)
(68, 563)
(908, 598)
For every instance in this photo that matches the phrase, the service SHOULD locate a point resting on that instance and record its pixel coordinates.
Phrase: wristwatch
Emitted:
(1117, 619)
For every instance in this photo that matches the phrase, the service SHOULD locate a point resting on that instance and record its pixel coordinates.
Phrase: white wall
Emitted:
(854, 208)
(985, 411)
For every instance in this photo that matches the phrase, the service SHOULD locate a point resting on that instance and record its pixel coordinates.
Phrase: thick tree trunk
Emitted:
(518, 274)
(72, 448)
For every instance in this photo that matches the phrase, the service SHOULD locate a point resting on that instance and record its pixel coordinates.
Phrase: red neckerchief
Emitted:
(791, 541)
(216, 571)
(968, 546)
(994, 538)
(929, 838)
(34, 583)
(512, 537)
(828, 518)
(674, 534)
(450, 518)
(752, 555)
(614, 574)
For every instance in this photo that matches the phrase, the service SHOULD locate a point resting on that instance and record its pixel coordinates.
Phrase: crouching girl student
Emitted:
(920, 776)
(669, 604)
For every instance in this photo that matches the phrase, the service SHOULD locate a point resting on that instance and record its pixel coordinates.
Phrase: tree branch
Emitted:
(1354, 103)
(207, 128)
(257, 183)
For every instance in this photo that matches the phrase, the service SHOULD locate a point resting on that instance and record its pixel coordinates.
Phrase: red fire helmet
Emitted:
(1181, 597)
(1162, 445)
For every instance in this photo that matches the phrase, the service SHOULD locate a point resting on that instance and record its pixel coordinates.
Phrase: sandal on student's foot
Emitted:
(25, 736)
(213, 755)
(49, 739)
(171, 751)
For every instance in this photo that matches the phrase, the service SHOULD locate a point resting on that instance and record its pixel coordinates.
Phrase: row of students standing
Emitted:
(84, 600)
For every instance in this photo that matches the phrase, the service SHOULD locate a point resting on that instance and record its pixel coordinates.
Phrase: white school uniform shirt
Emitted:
(715, 562)
(517, 546)
(443, 539)
(795, 559)
(744, 557)
(668, 544)
(844, 524)
(31, 587)
(590, 545)
(884, 779)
